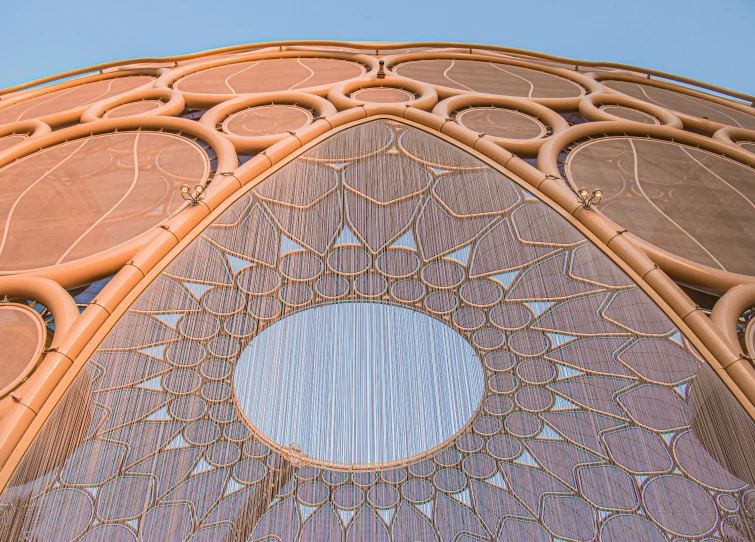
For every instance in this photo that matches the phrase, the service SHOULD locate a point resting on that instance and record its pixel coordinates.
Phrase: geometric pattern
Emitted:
(583, 432)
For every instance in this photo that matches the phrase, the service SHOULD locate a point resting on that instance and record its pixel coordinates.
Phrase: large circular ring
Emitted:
(61, 104)
(518, 125)
(147, 102)
(597, 107)
(209, 83)
(390, 89)
(254, 123)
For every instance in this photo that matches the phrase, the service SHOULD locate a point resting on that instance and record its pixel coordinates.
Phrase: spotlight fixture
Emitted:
(381, 70)
(587, 199)
(193, 197)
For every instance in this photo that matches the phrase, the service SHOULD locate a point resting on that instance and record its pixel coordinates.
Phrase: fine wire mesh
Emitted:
(133, 108)
(269, 75)
(88, 195)
(71, 98)
(629, 114)
(583, 431)
(684, 103)
(499, 122)
(383, 95)
(267, 120)
(489, 78)
(9, 141)
(695, 204)
(22, 337)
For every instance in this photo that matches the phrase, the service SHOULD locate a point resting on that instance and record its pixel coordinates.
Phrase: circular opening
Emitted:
(359, 383)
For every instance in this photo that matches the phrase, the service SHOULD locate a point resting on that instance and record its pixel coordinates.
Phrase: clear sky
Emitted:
(709, 40)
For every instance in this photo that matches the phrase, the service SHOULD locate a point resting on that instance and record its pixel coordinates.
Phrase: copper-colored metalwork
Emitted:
(351, 192)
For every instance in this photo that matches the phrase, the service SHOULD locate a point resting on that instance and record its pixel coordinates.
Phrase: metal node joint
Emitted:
(295, 454)
(195, 196)
(588, 199)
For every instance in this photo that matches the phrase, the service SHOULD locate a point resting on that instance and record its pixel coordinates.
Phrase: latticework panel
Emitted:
(384, 278)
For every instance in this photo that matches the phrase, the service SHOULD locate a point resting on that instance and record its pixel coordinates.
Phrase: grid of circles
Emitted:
(583, 432)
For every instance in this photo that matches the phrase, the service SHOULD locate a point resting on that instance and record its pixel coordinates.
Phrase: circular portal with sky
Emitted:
(356, 384)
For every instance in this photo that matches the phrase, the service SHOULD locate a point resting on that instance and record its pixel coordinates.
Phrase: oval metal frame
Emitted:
(173, 104)
(86, 270)
(528, 147)
(587, 84)
(679, 268)
(207, 100)
(215, 116)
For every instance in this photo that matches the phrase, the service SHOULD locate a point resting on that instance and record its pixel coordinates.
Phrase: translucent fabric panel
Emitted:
(267, 120)
(71, 98)
(692, 203)
(85, 196)
(629, 114)
(582, 429)
(269, 75)
(684, 103)
(489, 78)
(23, 337)
(501, 123)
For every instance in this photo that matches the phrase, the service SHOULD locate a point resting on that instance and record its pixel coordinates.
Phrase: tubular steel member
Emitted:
(217, 117)
(21, 406)
(68, 116)
(585, 84)
(29, 129)
(90, 268)
(591, 108)
(378, 46)
(727, 311)
(172, 104)
(423, 96)
(679, 268)
(127, 285)
(205, 100)
(691, 122)
(528, 147)
(734, 135)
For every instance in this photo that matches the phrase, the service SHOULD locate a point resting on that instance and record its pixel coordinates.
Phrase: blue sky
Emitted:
(703, 39)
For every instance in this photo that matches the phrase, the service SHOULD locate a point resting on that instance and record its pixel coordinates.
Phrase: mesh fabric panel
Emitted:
(489, 78)
(692, 203)
(9, 141)
(683, 103)
(501, 123)
(629, 114)
(88, 195)
(22, 337)
(269, 75)
(382, 95)
(583, 431)
(267, 120)
(70, 98)
(134, 108)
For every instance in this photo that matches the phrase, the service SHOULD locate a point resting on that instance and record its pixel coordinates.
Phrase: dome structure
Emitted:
(323, 291)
